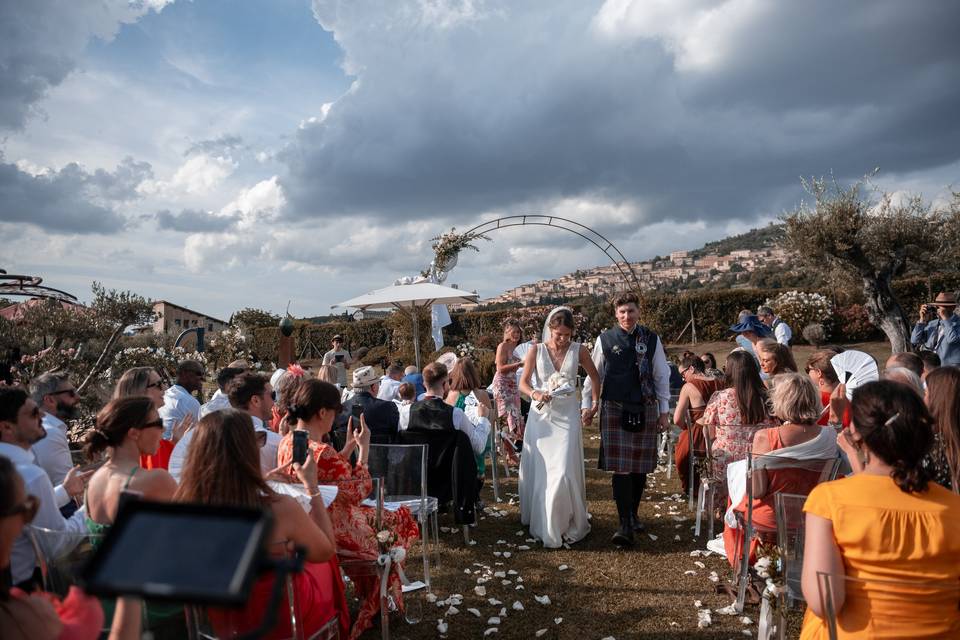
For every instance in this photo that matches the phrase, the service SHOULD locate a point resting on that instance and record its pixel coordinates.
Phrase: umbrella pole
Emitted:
(415, 317)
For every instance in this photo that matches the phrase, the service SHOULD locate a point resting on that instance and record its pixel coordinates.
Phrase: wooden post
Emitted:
(285, 356)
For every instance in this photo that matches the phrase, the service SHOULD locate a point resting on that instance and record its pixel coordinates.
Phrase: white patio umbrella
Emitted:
(408, 298)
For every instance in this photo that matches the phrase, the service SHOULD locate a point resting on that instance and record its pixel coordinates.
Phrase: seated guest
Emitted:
(382, 416)
(904, 376)
(146, 381)
(20, 427)
(943, 400)
(390, 382)
(906, 360)
(328, 373)
(774, 358)
(796, 402)
(733, 415)
(220, 399)
(824, 376)
(59, 400)
(178, 400)
(931, 361)
(710, 365)
(223, 469)
(251, 392)
(697, 389)
(40, 615)
(433, 414)
(285, 386)
(887, 521)
(406, 395)
(313, 408)
(412, 375)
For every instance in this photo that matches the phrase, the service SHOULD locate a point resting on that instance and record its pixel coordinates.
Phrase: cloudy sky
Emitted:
(224, 154)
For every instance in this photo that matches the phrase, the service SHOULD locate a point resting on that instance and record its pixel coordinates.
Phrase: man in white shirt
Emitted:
(219, 400)
(178, 400)
(58, 399)
(20, 427)
(781, 330)
(432, 413)
(251, 392)
(339, 358)
(390, 382)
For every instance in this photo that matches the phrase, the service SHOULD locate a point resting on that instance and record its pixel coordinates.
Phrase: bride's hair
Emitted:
(562, 318)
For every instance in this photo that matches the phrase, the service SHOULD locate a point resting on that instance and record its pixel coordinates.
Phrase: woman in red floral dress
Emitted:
(313, 408)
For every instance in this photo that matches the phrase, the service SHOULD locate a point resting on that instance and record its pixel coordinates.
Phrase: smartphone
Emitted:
(300, 440)
(338, 357)
(356, 412)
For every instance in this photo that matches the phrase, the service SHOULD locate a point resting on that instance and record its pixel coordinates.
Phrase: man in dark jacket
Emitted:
(382, 416)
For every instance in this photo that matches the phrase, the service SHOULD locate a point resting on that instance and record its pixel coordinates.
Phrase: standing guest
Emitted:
(220, 399)
(339, 358)
(314, 408)
(733, 415)
(906, 360)
(710, 365)
(697, 389)
(382, 416)
(781, 330)
(505, 389)
(412, 375)
(931, 361)
(20, 428)
(824, 376)
(887, 521)
(223, 469)
(634, 407)
(774, 358)
(938, 329)
(59, 400)
(178, 400)
(390, 382)
(943, 399)
(465, 392)
(145, 381)
(251, 392)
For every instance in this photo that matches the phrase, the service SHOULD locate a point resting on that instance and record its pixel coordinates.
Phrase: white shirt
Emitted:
(661, 376)
(177, 403)
(53, 452)
(330, 357)
(268, 452)
(220, 400)
(477, 428)
(37, 483)
(179, 455)
(782, 332)
(388, 388)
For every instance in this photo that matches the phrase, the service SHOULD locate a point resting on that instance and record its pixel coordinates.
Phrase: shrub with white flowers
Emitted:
(157, 357)
(799, 309)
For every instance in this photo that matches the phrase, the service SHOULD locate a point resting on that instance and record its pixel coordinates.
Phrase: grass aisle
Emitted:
(604, 592)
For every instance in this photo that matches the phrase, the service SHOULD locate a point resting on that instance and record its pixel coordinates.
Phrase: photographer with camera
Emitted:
(339, 358)
(938, 329)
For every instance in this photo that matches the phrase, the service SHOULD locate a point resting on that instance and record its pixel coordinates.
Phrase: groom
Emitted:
(634, 408)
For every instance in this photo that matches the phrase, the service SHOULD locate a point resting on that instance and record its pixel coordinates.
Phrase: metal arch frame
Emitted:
(593, 237)
(31, 286)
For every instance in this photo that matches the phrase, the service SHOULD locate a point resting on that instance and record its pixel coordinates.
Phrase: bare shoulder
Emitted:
(157, 483)
(761, 442)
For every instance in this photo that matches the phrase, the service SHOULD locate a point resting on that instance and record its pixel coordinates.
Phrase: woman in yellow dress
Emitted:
(886, 522)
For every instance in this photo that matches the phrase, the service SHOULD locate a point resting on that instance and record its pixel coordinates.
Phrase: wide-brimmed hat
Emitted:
(364, 377)
(945, 299)
(751, 323)
(448, 360)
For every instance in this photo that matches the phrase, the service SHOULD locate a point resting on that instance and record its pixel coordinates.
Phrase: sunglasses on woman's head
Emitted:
(153, 423)
(26, 509)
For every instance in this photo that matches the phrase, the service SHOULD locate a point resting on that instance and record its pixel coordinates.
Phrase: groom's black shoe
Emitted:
(638, 527)
(624, 535)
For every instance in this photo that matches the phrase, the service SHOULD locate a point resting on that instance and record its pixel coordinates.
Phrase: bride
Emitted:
(553, 500)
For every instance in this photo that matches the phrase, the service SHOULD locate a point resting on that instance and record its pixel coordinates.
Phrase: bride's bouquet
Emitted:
(558, 386)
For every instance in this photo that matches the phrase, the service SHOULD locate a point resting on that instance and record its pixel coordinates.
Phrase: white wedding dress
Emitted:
(553, 497)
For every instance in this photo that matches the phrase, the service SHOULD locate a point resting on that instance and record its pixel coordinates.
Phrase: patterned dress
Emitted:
(733, 440)
(354, 525)
(506, 393)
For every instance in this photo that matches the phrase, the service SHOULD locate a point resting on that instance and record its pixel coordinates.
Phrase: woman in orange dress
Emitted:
(887, 521)
(697, 389)
(313, 408)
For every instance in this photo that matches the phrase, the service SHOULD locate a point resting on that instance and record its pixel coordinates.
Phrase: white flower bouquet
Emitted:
(558, 386)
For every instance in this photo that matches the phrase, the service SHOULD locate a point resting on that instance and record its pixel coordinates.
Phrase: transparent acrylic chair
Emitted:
(61, 555)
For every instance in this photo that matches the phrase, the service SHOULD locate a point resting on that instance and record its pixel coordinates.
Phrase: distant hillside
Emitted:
(754, 239)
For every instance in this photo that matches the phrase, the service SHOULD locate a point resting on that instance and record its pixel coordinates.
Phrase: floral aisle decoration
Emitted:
(800, 309)
(769, 568)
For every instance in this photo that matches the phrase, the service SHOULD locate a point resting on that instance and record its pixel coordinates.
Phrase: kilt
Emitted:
(622, 451)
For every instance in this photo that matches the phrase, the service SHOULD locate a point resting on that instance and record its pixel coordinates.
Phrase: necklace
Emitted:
(555, 356)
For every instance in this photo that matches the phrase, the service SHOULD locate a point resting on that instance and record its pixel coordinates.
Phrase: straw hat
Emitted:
(945, 299)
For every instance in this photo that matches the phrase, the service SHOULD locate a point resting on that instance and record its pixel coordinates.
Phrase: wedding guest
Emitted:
(20, 427)
(943, 400)
(906, 360)
(251, 392)
(408, 395)
(887, 521)
(223, 469)
(178, 400)
(465, 392)
(390, 382)
(42, 616)
(796, 403)
(824, 376)
(219, 400)
(931, 361)
(382, 416)
(749, 330)
(328, 373)
(781, 330)
(710, 364)
(412, 375)
(146, 381)
(734, 414)
(433, 414)
(938, 328)
(59, 400)
(314, 407)
(284, 388)
(340, 359)
(696, 392)
(774, 358)
(904, 376)
(506, 392)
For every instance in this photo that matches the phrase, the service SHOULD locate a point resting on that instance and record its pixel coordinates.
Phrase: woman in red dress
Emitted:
(314, 406)
(223, 468)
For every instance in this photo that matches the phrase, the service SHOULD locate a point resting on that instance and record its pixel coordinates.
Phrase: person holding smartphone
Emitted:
(313, 408)
(340, 358)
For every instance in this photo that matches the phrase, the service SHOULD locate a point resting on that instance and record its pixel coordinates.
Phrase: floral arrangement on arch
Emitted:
(799, 309)
(447, 246)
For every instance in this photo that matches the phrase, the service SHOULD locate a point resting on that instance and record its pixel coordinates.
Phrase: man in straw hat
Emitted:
(938, 329)
(382, 416)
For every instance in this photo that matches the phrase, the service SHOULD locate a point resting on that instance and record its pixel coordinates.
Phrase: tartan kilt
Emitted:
(622, 451)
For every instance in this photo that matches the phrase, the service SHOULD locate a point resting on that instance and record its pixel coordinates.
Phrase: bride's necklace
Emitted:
(556, 357)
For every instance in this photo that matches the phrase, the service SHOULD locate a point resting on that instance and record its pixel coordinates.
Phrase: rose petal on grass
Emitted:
(540, 632)
(475, 612)
(493, 620)
(517, 605)
(542, 599)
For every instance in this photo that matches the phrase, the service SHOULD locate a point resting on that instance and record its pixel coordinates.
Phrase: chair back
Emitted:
(61, 555)
(870, 608)
(401, 468)
(791, 523)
